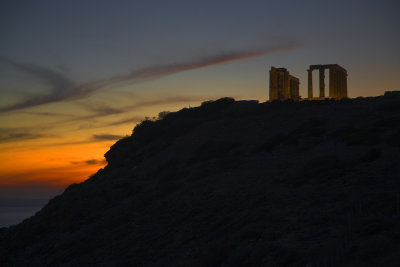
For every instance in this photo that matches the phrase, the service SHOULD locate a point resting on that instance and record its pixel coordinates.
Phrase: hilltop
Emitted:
(233, 183)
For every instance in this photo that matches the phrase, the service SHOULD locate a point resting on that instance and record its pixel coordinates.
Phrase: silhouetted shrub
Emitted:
(371, 248)
(345, 100)
(389, 105)
(163, 114)
(287, 105)
(215, 157)
(312, 124)
(167, 171)
(240, 256)
(119, 152)
(284, 256)
(72, 187)
(216, 105)
(214, 254)
(391, 94)
(375, 225)
(228, 162)
(371, 155)
(311, 132)
(146, 131)
(316, 132)
(394, 139)
(357, 136)
(278, 139)
(251, 231)
(165, 188)
(391, 122)
(273, 141)
(212, 149)
(178, 128)
(218, 165)
(320, 169)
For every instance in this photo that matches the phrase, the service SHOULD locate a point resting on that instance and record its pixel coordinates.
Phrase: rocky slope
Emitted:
(233, 184)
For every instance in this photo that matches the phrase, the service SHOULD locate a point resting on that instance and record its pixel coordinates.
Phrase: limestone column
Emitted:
(331, 83)
(286, 85)
(271, 85)
(338, 87)
(337, 84)
(321, 82)
(341, 85)
(345, 85)
(310, 86)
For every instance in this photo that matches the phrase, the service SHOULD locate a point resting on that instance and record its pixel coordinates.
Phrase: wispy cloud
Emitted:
(48, 114)
(58, 81)
(9, 135)
(89, 162)
(100, 110)
(149, 103)
(130, 120)
(63, 88)
(106, 137)
(165, 100)
(159, 71)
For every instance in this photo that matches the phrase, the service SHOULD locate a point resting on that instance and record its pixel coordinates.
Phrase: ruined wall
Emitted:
(282, 85)
(294, 88)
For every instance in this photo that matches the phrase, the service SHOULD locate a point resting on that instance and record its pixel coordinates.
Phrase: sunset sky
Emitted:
(75, 76)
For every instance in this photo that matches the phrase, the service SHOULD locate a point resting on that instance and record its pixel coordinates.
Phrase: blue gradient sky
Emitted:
(77, 75)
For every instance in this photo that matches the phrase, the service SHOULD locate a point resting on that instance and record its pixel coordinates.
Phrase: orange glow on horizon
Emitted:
(70, 152)
(55, 166)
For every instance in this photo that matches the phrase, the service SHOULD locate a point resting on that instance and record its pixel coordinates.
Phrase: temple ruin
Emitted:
(337, 81)
(282, 85)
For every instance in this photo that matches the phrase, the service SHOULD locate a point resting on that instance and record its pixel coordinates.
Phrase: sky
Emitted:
(75, 76)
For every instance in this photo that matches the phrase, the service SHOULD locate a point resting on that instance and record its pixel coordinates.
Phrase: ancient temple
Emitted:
(282, 85)
(337, 81)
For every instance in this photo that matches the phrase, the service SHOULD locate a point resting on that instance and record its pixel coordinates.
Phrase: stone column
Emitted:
(272, 86)
(321, 82)
(345, 85)
(344, 94)
(286, 85)
(341, 89)
(310, 86)
(338, 85)
(331, 82)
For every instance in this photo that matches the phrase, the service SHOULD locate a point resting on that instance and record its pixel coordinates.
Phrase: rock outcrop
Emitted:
(233, 184)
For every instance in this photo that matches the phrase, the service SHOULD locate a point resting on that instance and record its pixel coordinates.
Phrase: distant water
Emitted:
(15, 210)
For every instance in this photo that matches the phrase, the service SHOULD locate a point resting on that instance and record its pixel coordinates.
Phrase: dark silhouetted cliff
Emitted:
(311, 183)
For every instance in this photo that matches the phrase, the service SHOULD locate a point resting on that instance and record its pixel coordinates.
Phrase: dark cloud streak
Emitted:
(132, 120)
(106, 137)
(63, 89)
(89, 162)
(57, 80)
(18, 136)
(159, 71)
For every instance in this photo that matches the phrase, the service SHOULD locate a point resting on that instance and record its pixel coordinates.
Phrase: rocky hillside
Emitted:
(311, 183)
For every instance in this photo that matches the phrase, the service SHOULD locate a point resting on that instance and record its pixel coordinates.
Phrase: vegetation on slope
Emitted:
(233, 184)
